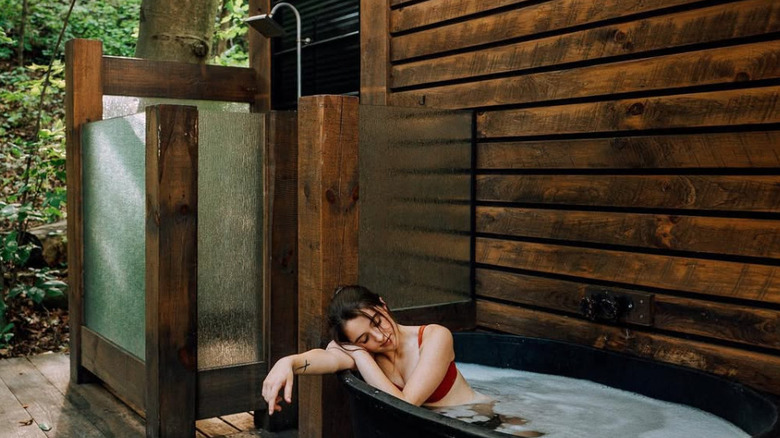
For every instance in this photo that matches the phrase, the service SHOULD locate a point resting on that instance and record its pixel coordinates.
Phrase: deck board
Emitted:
(38, 389)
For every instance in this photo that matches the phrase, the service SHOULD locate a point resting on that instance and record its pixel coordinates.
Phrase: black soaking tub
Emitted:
(377, 414)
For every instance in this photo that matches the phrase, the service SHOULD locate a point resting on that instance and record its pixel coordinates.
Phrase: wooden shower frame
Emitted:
(173, 404)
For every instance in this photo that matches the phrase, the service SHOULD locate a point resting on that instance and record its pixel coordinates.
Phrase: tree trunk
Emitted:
(22, 30)
(176, 30)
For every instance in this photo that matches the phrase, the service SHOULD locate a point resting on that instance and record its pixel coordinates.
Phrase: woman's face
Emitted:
(374, 332)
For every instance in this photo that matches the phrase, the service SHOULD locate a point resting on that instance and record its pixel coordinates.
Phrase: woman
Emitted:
(413, 363)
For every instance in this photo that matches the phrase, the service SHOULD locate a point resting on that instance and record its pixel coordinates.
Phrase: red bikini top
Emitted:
(447, 382)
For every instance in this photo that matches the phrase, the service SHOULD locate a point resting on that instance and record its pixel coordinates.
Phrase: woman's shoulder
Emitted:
(436, 331)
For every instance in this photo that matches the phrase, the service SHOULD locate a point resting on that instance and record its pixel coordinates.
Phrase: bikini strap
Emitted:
(419, 336)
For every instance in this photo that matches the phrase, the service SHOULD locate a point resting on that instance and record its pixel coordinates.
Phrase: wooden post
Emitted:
(327, 244)
(260, 58)
(83, 103)
(171, 270)
(375, 51)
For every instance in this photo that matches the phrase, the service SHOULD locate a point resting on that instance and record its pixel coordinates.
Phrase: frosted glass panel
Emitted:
(230, 227)
(415, 194)
(114, 256)
(119, 106)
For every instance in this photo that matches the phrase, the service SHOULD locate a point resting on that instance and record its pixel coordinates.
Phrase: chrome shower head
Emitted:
(266, 25)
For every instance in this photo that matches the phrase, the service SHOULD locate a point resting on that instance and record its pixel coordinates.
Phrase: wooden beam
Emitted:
(436, 11)
(260, 58)
(460, 316)
(177, 80)
(124, 373)
(171, 270)
(375, 51)
(327, 245)
(237, 388)
(83, 103)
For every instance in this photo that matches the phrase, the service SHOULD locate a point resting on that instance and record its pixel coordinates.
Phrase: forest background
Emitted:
(33, 304)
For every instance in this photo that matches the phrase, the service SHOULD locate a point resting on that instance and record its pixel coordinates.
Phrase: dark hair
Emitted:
(349, 302)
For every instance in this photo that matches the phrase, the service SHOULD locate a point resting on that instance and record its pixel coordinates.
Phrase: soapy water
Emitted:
(530, 405)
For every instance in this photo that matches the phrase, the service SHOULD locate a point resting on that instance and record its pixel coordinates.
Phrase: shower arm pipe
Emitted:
(297, 38)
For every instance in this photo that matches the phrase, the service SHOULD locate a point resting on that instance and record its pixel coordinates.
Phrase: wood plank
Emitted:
(715, 235)
(761, 371)
(375, 52)
(241, 421)
(213, 427)
(455, 316)
(698, 151)
(715, 23)
(436, 11)
(15, 417)
(718, 108)
(702, 192)
(535, 19)
(327, 248)
(171, 270)
(104, 411)
(83, 103)
(710, 277)
(282, 177)
(177, 80)
(123, 372)
(230, 389)
(722, 65)
(260, 59)
(730, 322)
(44, 402)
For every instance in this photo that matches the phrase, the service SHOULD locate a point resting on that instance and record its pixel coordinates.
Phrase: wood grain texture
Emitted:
(260, 59)
(701, 276)
(717, 108)
(701, 192)
(213, 427)
(757, 61)
(759, 149)
(177, 80)
(83, 103)
(122, 372)
(436, 11)
(523, 22)
(714, 235)
(17, 421)
(327, 242)
(730, 322)
(171, 269)
(374, 50)
(706, 25)
(230, 389)
(761, 371)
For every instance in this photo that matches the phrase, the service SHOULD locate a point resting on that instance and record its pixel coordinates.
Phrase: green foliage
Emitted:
(230, 45)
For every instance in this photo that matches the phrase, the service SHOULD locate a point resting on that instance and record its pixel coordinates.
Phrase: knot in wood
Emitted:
(636, 109)
(330, 195)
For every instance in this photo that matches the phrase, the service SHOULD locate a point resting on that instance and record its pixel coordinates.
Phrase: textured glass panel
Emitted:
(415, 191)
(119, 106)
(114, 257)
(230, 227)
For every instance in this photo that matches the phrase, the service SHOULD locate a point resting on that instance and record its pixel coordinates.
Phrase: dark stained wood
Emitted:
(718, 150)
(703, 192)
(177, 80)
(105, 412)
(374, 52)
(83, 103)
(729, 322)
(715, 235)
(756, 61)
(759, 370)
(120, 370)
(708, 277)
(717, 108)
(435, 11)
(327, 248)
(282, 180)
(230, 389)
(44, 402)
(715, 23)
(538, 18)
(171, 269)
(260, 58)
(459, 316)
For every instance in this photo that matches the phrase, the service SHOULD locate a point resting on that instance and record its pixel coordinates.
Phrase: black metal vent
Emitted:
(330, 64)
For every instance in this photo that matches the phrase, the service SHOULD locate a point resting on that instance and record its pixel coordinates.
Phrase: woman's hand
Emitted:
(280, 377)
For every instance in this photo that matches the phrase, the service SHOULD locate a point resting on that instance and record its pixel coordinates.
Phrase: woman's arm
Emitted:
(314, 362)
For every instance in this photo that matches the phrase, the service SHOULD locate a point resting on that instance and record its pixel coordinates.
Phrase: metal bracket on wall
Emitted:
(618, 306)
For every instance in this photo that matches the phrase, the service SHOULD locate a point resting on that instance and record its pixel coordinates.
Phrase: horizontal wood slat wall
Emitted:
(623, 147)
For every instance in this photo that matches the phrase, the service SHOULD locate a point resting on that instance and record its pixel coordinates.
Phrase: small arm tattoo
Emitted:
(304, 366)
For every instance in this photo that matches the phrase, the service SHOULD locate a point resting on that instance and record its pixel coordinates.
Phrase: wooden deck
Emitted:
(37, 400)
